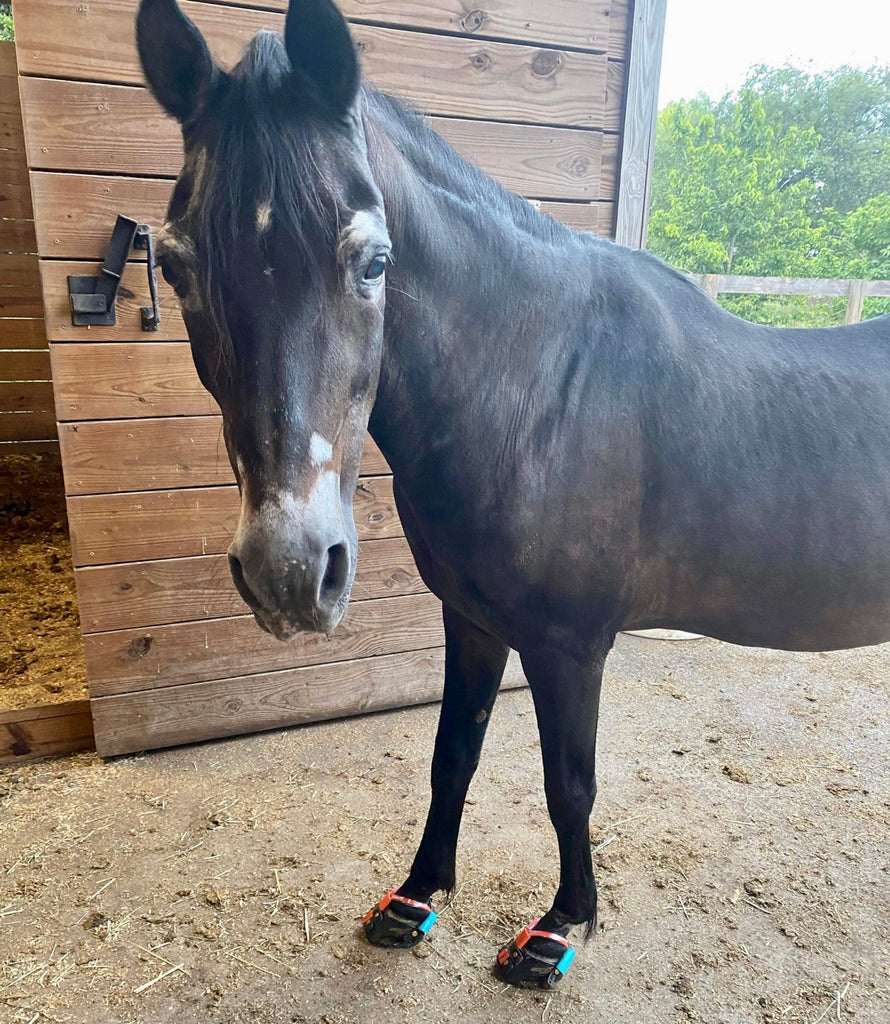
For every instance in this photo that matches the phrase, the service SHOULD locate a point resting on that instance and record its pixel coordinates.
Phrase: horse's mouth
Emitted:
(285, 627)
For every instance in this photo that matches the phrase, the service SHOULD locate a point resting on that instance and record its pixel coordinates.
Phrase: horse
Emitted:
(581, 441)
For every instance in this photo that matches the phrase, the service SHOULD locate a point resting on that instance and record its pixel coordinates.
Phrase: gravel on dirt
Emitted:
(741, 838)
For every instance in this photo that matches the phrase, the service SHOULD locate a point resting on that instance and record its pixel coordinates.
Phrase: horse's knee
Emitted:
(570, 801)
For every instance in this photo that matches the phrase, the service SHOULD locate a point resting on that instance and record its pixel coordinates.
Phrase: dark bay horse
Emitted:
(581, 440)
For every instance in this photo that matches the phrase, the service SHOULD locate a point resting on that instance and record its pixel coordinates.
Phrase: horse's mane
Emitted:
(262, 150)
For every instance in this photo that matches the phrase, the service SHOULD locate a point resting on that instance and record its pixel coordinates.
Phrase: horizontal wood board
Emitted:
(229, 707)
(164, 591)
(157, 454)
(188, 652)
(26, 400)
(146, 525)
(59, 37)
(45, 731)
(445, 74)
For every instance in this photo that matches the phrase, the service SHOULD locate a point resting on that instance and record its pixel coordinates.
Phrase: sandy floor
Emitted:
(743, 828)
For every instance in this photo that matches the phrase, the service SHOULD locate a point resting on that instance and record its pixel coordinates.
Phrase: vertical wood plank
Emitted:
(855, 299)
(640, 116)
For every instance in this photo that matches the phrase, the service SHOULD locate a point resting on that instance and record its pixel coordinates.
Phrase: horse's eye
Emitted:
(375, 268)
(170, 275)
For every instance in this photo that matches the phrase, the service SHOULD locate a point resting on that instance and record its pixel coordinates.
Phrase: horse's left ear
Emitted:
(321, 50)
(177, 64)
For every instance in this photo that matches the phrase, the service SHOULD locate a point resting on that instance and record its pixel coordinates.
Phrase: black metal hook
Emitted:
(93, 297)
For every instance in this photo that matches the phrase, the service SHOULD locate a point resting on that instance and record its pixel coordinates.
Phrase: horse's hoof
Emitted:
(398, 922)
(535, 959)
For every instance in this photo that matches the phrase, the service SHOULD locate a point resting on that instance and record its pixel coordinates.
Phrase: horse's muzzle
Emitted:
(294, 585)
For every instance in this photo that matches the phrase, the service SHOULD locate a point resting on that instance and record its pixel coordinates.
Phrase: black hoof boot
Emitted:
(535, 959)
(398, 922)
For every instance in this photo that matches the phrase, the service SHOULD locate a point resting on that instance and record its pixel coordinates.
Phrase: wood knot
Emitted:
(126, 586)
(139, 647)
(546, 63)
(473, 21)
(480, 61)
(233, 705)
(579, 167)
(361, 46)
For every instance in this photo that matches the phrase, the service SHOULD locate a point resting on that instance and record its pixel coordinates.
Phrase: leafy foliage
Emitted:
(788, 177)
(6, 29)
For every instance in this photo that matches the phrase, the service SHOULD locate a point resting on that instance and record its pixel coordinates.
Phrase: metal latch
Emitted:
(92, 297)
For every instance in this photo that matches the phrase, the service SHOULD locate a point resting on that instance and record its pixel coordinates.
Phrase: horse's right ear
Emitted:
(177, 64)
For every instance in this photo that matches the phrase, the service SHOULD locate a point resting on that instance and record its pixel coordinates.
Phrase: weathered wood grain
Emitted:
(154, 593)
(17, 236)
(115, 381)
(20, 302)
(27, 365)
(60, 37)
(15, 192)
(132, 295)
(26, 396)
(109, 456)
(46, 731)
(19, 270)
(23, 334)
(150, 525)
(27, 426)
(8, 66)
(129, 722)
(641, 112)
(812, 286)
(596, 217)
(75, 213)
(190, 652)
(444, 74)
(10, 108)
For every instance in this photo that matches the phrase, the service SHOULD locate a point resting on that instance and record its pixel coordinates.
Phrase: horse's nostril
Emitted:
(238, 579)
(335, 575)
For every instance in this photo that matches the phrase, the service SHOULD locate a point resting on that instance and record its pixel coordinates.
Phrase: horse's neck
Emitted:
(467, 295)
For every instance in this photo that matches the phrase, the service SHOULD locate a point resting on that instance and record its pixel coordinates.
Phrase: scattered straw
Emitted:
(164, 974)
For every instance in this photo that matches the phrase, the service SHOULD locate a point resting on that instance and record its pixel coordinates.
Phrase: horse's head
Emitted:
(276, 245)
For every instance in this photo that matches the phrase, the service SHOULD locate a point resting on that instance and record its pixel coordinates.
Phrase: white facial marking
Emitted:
(263, 217)
(364, 225)
(320, 450)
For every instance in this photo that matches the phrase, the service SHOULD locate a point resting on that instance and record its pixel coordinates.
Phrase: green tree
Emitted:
(789, 177)
(6, 30)
(849, 109)
(721, 199)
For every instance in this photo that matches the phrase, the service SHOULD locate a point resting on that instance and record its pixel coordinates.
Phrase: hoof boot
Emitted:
(398, 922)
(535, 959)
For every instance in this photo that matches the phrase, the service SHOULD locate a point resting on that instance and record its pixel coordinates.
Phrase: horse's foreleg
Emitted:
(566, 696)
(474, 665)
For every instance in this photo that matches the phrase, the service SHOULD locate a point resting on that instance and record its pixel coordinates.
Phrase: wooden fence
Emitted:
(27, 420)
(856, 291)
(532, 92)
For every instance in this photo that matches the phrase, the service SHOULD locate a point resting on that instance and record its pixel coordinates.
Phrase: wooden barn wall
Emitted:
(27, 419)
(531, 91)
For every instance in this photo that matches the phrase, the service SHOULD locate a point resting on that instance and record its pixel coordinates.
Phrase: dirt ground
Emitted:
(742, 839)
(41, 655)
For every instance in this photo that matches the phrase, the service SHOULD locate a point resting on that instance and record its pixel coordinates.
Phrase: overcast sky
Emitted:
(710, 44)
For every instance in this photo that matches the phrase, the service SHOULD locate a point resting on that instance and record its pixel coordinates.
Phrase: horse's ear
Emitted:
(321, 50)
(177, 64)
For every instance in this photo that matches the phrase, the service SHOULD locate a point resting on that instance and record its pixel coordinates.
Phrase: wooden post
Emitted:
(855, 299)
(709, 285)
(640, 116)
